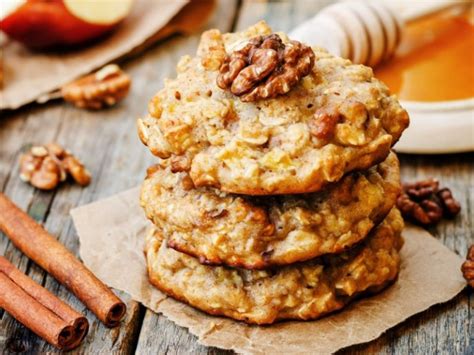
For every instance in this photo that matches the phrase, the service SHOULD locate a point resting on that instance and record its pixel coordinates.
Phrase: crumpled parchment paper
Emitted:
(111, 234)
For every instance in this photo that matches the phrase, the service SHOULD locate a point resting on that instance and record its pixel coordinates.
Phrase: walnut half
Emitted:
(103, 88)
(265, 68)
(45, 166)
(424, 203)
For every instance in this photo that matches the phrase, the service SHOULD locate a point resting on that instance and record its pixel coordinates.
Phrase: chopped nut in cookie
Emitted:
(324, 122)
(103, 88)
(266, 67)
(424, 203)
(46, 166)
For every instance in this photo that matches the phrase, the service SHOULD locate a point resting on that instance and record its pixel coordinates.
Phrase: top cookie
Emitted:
(282, 133)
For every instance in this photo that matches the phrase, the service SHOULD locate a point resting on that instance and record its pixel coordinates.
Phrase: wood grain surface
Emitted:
(107, 143)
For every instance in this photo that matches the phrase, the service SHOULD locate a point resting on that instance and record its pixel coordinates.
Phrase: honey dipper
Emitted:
(366, 32)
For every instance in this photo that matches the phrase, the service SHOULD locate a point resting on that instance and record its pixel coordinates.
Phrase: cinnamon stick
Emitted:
(34, 241)
(39, 310)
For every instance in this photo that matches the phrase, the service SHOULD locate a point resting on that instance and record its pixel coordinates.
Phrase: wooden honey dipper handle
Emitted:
(366, 32)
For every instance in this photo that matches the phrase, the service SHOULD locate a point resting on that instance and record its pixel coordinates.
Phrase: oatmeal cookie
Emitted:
(254, 232)
(301, 291)
(336, 119)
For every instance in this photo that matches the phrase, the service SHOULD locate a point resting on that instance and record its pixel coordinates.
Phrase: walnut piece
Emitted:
(450, 205)
(467, 267)
(421, 189)
(46, 166)
(424, 212)
(323, 123)
(424, 203)
(265, 68)
(103, 88)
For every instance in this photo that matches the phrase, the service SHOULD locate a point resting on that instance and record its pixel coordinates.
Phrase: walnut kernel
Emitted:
(265, 67)
(424, 203)
(104, 88)
(450, 205)
(75, 168)
(323, 124)
(467, 267)
(46, 166)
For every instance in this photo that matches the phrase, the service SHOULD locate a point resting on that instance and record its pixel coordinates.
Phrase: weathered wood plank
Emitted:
(280, 15)
(161, 336)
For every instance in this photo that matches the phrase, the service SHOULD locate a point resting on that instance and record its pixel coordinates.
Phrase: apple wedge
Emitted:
(102, 12)
(49, 23)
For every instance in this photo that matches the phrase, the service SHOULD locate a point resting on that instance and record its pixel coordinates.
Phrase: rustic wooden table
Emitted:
(107, 142)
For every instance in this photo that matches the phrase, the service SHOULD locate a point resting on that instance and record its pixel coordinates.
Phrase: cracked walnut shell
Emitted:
(46, 166)
(265, 68)
(103, 88)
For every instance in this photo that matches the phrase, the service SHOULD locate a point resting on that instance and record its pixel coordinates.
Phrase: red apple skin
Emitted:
(47, 23)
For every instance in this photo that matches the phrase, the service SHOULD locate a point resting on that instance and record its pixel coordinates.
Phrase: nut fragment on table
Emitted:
(423, 202)
(468, 267)
(103, 88)
(450, 206)
(46, 166)
(265, 67)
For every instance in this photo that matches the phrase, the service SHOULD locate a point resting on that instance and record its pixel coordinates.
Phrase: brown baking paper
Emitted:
(30, 75)
(111, 233)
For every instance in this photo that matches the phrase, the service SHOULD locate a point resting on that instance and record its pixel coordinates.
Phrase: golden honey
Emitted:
(435, 60)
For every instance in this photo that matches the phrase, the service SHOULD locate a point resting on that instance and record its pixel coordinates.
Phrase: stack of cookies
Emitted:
(274, 194)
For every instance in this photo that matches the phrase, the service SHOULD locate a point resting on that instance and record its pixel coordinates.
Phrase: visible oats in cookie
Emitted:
(334, 120)
(301, 291)
(256, 232)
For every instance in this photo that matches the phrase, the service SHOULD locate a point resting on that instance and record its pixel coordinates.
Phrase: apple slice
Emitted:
(9, 6)
(103, 12)
(47, 23)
